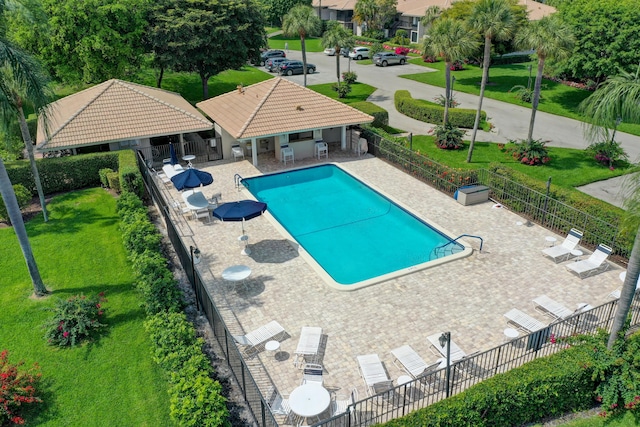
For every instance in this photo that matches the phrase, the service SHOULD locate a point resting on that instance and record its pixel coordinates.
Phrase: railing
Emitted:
(193, 144)
(405, 398)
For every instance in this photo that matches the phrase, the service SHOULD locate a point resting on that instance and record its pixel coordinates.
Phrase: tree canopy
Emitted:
(377, 14)
(277, 9)
(607, 37)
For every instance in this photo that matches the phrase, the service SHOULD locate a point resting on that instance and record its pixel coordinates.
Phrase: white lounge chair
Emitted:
(523, 321)
(547, 306)
(407, 359)
(562, 252)
(456, 353)
(372, 371)
(308, 344)
(253, 340)
(237, 151)
(596, 263)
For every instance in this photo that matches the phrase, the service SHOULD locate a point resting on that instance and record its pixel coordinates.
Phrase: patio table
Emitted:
(309, 400)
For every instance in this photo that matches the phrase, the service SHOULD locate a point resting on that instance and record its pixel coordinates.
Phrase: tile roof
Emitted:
(418, 8)
(116, 110)
(277, 106)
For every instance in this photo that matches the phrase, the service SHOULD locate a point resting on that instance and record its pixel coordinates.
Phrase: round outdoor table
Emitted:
(577, 253)
(236, 273)
(551, 240)
(309, 400)
(188, 159)
(404, 379)
(272, 345)
(510, 334)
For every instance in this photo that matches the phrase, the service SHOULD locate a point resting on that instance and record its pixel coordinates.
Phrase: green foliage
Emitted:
(349, 77)
(74, 320)
(18, 389)
(343, 89)
(607, 37)
(376, 48)
(608, 153)
(23, 196)
(401, 38)
(380, 115)
(196, 399)
(113, 180)
(432, 113)
(129, 174)
(542, 388)
(523, 93)
(448, 136)
(61, 174)
(376, 13)
(510, 59)
(277, 9)
(102, 173)
(533, 152)
(155, 282)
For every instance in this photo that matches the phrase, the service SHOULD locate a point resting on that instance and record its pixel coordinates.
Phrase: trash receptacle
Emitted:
(473, 194)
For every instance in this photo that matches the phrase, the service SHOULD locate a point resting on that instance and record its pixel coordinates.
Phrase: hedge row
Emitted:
(429, 112)
(130, 177)
(543, 388)
(510, 59)
(62, 174)
(196, 398)
(380, 115)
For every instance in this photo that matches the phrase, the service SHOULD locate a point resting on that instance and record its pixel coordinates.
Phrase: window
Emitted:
(300, 136)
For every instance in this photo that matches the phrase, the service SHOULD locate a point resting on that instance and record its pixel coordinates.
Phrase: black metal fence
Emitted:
(419, 393)
(204, 150)
(534, 205)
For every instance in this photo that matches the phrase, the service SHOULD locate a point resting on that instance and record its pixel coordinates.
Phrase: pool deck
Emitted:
(467, 297)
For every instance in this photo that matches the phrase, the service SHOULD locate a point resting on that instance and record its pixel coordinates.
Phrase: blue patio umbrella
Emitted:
(242, 210)
(191, 178)
(172, 152)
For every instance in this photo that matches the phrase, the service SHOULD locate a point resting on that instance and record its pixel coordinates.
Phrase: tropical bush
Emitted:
(18, 390)
(349, 77)
(401, 38)
(22, 194)
(129, 174)
(523, 93)
(343, 89)
(531, 152)
(74, 320)
(441, 100)
(448, 137)
(376, 47)
(608, 153)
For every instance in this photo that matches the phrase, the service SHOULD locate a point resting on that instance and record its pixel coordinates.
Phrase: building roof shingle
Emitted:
(278, 106)
(116, 110)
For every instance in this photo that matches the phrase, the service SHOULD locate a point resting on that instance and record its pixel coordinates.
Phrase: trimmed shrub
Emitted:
(156, 283)
(349, 77)
(430, 112)
(448, 137)
(343, 89)
(22, 194)
(63, 174)
(380, 115)
(75, 319)
(113, 178)
(102, 173)
(510, 59)
(542, 388)
(130, 176)
(18, 390)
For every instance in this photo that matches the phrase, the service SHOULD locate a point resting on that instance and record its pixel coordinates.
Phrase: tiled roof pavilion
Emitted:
(278, 106)
(116, 110)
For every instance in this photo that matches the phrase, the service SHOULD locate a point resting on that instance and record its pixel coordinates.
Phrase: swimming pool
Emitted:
(355, 235)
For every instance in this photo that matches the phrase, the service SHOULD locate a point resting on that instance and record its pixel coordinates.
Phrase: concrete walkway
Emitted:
(511, 122)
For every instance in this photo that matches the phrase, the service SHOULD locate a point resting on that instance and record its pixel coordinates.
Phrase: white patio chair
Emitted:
(286, 153)
(341, 403)
(596, 263)
(278, 403)
(321, 149)
(312, 373)
(562, 252)
(237, 151)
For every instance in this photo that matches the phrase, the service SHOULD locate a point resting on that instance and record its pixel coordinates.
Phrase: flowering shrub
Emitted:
(402, 50)
(17, 389)
(430, 59)
(74, 320)
(607, 153)
(448, 137)
(531, 152)
(440, 99)
(349, 77)
(457, 66)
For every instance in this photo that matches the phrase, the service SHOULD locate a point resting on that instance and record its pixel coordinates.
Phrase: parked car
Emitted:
(290, 68)
(331, 51)
(272, 64)
(359, 52)
(273, 53)
(388, 58)
(344, 52)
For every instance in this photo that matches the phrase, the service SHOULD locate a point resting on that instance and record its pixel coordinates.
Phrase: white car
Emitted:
(330, 51)
(359, 52)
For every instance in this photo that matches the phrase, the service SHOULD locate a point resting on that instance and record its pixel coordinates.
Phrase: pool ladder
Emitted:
(237, 179)
(449, 247)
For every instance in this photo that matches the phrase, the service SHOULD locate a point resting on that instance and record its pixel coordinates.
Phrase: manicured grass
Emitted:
(311, 44)
(359, 92)
(111, 381)
(271, 30)
(626, 419)
(568, 167)
(558, 99)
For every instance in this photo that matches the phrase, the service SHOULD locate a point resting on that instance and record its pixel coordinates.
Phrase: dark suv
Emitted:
(290, 68)
(274, 53)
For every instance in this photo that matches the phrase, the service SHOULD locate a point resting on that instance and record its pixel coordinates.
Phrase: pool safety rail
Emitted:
(237, 180)
(448, 248)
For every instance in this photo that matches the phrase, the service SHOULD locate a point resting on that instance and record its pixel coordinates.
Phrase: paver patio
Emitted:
(467, 297)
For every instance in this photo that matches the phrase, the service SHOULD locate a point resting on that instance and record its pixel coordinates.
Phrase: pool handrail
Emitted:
(237, 179)
(462, 235)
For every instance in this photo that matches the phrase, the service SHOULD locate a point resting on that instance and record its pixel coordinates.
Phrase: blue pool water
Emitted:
(353, 232)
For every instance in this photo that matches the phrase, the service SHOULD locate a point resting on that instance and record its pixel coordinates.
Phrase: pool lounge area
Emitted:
(467, 297)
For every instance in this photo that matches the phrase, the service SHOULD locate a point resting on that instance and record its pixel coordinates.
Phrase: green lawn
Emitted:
(112, 381)
(359, 92)
(311, 44)
(568, 167)
(558, 99)
(625, 419)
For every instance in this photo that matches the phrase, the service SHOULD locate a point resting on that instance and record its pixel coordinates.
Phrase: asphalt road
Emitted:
(511, 122)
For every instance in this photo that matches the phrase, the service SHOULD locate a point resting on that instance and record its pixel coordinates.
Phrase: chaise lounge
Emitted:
(596, 263)
(562, 252)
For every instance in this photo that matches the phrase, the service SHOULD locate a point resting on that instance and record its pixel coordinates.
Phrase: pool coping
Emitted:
(326, 277)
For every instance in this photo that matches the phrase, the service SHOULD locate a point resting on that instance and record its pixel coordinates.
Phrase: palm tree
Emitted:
(337, 37)
(493, 20)
(431, 14)
(301, 20)
(449, 39)
(619, 96)
(551, 39)
(22, 81)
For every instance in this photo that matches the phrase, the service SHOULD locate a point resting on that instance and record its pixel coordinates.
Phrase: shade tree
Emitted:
(302, 21)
